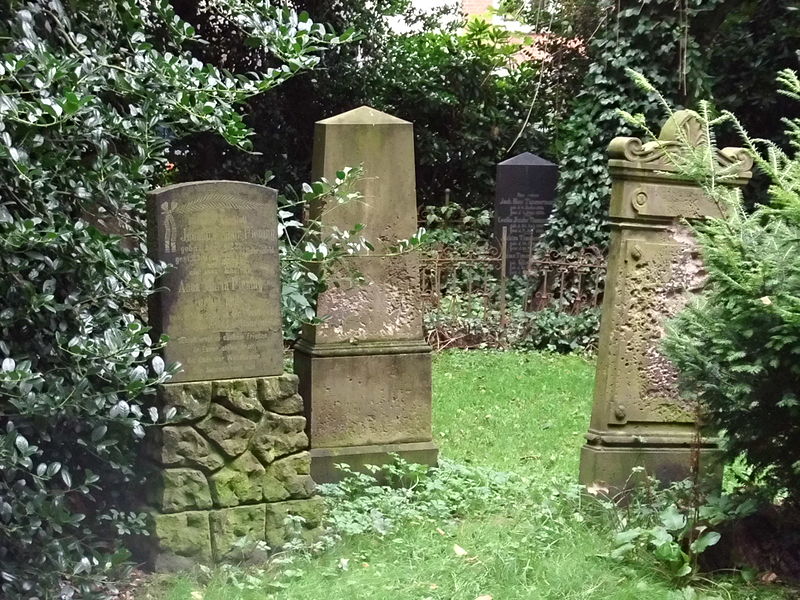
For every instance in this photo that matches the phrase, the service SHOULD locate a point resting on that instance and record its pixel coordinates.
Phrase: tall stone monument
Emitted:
(365, 372)
(525, 190)
(639, 419)
(234, 460)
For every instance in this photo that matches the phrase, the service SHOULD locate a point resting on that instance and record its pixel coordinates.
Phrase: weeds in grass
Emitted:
(360, 504)
(526, 530)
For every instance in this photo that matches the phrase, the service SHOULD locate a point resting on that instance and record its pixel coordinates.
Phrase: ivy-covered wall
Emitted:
(653, 38)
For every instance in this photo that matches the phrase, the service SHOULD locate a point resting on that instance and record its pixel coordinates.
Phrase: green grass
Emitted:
(524, 413)
(512, 411)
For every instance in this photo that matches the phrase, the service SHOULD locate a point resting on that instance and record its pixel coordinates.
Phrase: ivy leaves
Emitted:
(645, 36)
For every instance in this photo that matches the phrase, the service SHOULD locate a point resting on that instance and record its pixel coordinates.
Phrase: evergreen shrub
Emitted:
(738, 345)
(93, 93)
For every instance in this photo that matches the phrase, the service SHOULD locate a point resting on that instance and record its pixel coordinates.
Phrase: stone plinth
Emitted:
(220, 306)
(227, 470)
(525, 190)
(639, 419)
(365, 371)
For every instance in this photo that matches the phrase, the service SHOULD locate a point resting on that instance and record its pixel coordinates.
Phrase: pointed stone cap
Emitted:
(363, 115)
(527, 159)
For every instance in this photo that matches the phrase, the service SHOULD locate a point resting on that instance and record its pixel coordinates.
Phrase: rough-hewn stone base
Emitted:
(324, 460)
(227, 471)
(612, 466)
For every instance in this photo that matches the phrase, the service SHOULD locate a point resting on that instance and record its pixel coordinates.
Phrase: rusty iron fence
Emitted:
(475, 283)
(571, 282)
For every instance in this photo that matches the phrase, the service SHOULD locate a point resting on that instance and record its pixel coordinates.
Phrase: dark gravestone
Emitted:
(221, 307)
(524, 195)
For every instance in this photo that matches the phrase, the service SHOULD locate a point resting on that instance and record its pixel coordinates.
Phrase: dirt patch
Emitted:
(768, 541)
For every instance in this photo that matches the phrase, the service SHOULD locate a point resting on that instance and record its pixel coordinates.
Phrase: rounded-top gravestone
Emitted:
(221, 312)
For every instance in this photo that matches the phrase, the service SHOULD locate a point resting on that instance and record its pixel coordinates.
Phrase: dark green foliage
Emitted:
(468, 100)
(646, 36)
(467, 310)
(738, 346)
(554, 330)
(467, 97)
(749, 44)
(92, 95)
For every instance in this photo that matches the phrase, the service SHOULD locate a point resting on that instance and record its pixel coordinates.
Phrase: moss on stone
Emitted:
(181, 540)
(240, 482)
(279, 394)
(289, 478)
(182, 446)
(180, 489)
(191, 400)
(239, 395)
(279, 435)
(230, 431)
(279, 531)
(235, 532)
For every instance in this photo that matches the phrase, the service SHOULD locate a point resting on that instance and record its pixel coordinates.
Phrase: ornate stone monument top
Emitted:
(683, 129)
(654, 267)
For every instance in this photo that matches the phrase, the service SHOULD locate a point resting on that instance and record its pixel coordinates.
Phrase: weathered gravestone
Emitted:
(525, 190)
(220, 310)
(365, 372)
(234, 460)
(639, 419)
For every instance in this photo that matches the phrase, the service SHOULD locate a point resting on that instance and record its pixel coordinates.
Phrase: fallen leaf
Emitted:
(768, 577)
(459, 550)
(440, 531)
(433, 586)
(197, 595)
(766, 301)
(596, 489)
(365, 565)
(484, 597)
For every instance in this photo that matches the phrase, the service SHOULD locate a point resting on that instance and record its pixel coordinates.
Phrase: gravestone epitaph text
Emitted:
(525, 191)
(221, 298)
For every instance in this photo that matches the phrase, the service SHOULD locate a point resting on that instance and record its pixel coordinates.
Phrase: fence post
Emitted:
(503, 276)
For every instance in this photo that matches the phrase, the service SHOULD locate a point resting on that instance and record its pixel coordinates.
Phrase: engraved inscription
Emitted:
(524, 215)
(523, 202)
(221, 301)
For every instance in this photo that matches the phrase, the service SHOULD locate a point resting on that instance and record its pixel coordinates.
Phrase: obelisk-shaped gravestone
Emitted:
(525, 190)
(365, 371)
(233, 462)
(639, 419)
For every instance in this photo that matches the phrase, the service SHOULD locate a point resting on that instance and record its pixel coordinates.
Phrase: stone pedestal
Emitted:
(639, 419)
(227, 470)
(365, 372)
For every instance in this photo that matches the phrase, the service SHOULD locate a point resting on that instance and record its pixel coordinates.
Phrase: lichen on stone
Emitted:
(228, 430)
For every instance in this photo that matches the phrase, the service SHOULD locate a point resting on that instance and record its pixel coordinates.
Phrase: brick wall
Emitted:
(476, 7)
